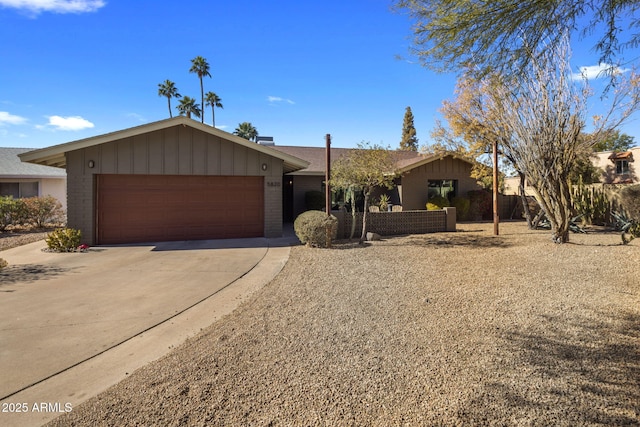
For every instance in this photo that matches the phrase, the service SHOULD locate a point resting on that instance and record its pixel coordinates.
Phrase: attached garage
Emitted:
(147, 208)
(176, 179)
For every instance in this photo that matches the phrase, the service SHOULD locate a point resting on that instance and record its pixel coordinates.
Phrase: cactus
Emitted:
(591, 203)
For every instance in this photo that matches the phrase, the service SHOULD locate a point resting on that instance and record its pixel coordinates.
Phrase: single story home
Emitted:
(421, 176)
(175, 179)
(20, 180)
(179, 179)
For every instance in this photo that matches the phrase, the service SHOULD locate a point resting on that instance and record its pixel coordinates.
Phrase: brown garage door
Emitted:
(148, 208)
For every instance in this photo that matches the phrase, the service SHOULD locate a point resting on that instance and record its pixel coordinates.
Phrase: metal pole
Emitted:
(328, 175)
(496, 216)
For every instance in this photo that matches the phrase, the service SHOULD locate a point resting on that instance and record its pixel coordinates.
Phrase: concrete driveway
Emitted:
(60, 312)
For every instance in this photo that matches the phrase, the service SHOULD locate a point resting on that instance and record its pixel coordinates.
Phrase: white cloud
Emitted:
(137, 117)
(55, 6)
(590, 72)
(69, 123)
(11, 119)
(274, 99)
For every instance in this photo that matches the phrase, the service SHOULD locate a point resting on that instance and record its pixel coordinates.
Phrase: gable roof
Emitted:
(11, 166)
(55, 155)
(404, 160)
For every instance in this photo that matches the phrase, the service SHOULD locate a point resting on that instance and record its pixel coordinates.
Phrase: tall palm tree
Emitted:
(188, 106)
(200, 66)
(213, 100)
(168, 89)
(247, 131)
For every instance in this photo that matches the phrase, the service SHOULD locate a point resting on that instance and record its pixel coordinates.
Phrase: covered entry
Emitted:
(147, 208)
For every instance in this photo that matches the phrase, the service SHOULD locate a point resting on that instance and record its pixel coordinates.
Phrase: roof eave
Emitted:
(55, 155)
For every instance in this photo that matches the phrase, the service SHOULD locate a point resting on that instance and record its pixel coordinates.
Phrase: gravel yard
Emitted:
(458, 328)
(10, 239)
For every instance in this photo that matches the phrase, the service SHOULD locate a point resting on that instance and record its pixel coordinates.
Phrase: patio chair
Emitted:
(396, 208)
(374, 209)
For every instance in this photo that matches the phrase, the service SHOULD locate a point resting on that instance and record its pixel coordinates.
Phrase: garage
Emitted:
(148, 208)
(175, 179)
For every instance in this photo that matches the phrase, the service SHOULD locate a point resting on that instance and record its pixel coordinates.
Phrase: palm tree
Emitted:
(168, 89)
(188, 106)
(200, 66)
(247, 131)
(213, 100)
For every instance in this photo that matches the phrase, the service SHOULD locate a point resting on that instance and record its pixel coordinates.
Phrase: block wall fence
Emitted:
(398, 223)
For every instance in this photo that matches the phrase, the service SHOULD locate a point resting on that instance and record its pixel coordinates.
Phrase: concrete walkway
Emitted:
(71, 325)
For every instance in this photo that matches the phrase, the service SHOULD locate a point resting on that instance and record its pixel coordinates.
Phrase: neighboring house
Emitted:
(19, 180)
(615, 167)
(175, 179)
(619, 167)
(421, 175)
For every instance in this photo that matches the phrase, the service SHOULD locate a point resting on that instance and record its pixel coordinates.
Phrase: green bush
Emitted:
(8, 212)
(3, 263)
(437, 202)
(311, 228)
(314, 200)
(462, 205)
(64, 240)
(630, 201)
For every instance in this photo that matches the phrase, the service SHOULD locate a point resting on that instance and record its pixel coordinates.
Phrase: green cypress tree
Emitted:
(409, 141)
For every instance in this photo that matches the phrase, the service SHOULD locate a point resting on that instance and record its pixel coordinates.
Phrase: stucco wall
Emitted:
(608, 167)
(413, 189)
(178, 150)
(302, 184)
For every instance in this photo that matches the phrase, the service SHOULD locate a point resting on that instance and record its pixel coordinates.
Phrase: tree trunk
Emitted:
(525, 201)
(169, 105)
(555, 200)
(353, 213)
(363, 237)
(202, 98)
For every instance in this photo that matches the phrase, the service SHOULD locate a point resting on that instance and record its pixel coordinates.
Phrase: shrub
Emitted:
(3, 263)
(64, 240)
(462, 205)
(311, 228)
(437, 202)
(42, 210)
(481, 203)
(314, 200)
(630, 201)
(8, 212)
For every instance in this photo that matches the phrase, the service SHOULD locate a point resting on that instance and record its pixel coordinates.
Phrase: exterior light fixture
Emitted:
(264, 166)
(92, 164)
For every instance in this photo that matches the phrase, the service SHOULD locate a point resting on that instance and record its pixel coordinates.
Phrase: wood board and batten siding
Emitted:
(179, 163)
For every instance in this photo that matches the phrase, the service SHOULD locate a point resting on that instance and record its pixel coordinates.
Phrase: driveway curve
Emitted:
(59, 310)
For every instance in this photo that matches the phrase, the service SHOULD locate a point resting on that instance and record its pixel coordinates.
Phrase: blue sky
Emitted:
(296, 70)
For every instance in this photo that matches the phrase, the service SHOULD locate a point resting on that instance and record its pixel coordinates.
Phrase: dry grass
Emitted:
(442, 329)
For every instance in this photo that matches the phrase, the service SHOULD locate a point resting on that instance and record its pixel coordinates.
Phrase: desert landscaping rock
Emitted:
(460, 328)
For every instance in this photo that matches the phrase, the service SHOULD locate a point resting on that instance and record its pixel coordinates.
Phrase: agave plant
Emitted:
(626, 226)
(574, 226)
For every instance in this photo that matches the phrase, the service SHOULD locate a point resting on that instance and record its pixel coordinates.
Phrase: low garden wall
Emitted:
(398, 223)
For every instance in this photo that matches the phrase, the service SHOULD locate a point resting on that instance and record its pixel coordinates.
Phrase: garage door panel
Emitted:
(145, 208)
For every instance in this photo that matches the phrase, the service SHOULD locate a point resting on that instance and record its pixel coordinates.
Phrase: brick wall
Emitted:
(395, 223)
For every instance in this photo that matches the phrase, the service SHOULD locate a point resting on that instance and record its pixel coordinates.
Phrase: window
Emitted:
(447, 188)
(19, 190)
(622, 166)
